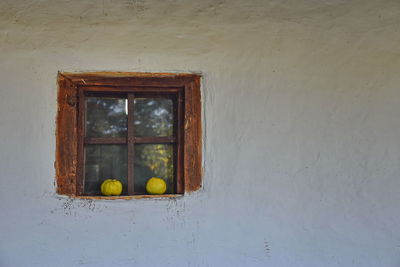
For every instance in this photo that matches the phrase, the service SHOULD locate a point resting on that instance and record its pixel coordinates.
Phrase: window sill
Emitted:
(128, 197)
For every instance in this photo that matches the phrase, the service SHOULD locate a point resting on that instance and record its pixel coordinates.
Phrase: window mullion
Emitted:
(155, 140)
(105, 140)
(131, 144)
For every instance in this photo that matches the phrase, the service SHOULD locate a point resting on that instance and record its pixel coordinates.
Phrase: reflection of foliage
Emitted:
(158, 158)
(105, 162)
(106, 117)
(153, 117)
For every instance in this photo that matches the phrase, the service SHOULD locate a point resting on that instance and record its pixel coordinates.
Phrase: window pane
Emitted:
(105, 162)
(153, 117)
(106, 117)
(153, 161)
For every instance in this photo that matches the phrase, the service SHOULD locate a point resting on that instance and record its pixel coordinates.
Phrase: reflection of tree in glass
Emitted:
(105, 162)
(159, 160)
(106, 117)
(153, 117)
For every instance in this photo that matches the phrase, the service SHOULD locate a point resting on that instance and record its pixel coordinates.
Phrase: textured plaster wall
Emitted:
(301, 104)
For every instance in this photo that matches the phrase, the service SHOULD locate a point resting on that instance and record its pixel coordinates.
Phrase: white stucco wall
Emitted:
(301, 104)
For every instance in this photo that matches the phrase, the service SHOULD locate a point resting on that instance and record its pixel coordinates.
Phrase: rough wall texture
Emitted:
(301, 132)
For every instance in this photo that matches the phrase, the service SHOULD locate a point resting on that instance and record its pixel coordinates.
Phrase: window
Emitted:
(130, 127)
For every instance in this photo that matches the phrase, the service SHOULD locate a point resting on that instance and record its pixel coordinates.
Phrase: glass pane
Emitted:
(105, 162)
(153, 161)
(106, 117)
(153, 117)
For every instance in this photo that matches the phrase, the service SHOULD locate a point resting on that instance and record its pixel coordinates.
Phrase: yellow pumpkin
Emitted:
(111, 187)
(156, 186)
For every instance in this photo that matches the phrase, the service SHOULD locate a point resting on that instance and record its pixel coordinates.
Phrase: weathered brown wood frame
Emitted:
(69, 132)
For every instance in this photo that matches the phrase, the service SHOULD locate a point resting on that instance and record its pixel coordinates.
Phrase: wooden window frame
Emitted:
(70, 124)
